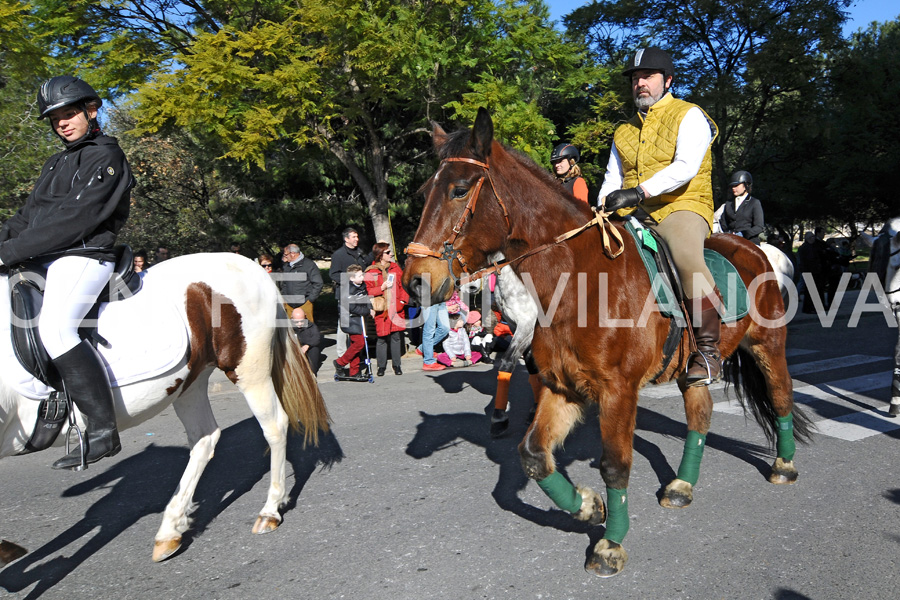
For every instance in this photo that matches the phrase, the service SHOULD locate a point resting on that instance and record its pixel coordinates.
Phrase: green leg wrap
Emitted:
(689, 469)
(561, 491)
(617, 522)
(785, 437)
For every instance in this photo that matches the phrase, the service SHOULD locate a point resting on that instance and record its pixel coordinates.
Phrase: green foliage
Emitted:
(528, 68)
(25, 142)
(361, 80)
(275, 121)
(755, 66)
(862, 155)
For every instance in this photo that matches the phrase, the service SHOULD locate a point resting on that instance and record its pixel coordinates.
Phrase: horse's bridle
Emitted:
(449, 253)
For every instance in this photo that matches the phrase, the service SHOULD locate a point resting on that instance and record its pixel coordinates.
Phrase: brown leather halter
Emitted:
(449, 253)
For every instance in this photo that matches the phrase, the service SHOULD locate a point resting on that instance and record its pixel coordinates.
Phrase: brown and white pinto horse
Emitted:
(232, 314)
(502, 202)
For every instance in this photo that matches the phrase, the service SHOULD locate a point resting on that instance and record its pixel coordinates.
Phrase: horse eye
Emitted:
(459, 192)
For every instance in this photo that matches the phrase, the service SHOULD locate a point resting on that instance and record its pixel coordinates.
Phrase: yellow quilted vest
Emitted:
(646, 145)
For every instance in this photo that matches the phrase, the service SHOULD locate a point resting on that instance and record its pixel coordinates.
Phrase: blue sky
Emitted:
(861, 12)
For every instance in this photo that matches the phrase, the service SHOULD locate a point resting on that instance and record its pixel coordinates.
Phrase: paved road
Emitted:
(409, 498)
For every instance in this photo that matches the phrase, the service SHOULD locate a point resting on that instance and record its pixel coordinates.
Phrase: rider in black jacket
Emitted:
(743, 214)
(69, 224)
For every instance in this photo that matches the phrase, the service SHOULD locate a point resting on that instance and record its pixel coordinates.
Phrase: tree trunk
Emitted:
(376, 201)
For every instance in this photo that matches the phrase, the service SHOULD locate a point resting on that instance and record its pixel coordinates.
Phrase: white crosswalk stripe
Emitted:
(817, 366)
(852, 426)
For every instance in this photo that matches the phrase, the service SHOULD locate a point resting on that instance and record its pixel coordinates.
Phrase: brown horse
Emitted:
(485, 201)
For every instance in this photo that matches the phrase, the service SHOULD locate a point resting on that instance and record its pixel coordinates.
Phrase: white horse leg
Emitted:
(193, 408)
(273, 420)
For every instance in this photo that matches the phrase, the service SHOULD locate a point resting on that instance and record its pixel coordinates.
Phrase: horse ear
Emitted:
(438, 135)
(482, 134)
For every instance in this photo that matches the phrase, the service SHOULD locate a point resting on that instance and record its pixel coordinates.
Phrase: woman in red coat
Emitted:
(383, 285)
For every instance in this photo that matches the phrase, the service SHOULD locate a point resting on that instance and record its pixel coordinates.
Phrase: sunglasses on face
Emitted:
(266, 265)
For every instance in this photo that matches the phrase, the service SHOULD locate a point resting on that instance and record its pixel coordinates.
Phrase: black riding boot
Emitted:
(86, 382)
(705, 365)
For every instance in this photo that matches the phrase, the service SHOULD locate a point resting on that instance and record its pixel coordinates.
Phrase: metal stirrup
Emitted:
(74, 425)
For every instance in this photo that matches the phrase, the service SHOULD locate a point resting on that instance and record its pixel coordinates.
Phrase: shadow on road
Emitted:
(143, 484)
(439, 431)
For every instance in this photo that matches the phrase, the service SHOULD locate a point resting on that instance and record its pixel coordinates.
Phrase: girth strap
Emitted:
(52, 413)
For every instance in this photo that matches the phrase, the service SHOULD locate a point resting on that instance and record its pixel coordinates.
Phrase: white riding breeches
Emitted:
(73, 284)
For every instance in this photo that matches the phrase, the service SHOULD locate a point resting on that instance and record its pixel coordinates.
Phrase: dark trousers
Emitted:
(381, 349)
(314, 356)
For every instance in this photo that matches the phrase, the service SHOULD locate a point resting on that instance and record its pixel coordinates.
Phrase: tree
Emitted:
(25, 142)
(356, 80)
(361, 79)
(753, 65)
(862, 155)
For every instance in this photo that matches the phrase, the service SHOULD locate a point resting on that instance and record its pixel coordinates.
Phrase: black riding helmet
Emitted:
(739, 177)
(651, 59)
(565, 150)
(63, 90)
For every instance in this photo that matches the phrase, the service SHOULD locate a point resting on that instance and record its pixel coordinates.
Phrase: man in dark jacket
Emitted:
(301, 282)
(343, 257)
(348, 254)
(743, 214)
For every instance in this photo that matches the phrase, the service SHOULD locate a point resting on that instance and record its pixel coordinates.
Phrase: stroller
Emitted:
(365, 370)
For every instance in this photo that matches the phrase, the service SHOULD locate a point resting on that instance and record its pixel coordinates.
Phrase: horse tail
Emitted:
(296, 385)
(744, 374)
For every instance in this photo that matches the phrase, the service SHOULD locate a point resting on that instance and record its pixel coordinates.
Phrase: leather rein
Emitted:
(449, 253)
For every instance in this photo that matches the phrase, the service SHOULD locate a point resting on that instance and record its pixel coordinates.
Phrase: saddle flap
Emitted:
(667, 285)
(666, 289)
(26, 298)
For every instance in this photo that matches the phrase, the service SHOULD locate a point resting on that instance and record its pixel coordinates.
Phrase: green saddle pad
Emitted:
(731, 286)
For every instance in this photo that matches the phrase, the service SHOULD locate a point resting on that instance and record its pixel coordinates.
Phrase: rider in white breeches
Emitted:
(69, 225)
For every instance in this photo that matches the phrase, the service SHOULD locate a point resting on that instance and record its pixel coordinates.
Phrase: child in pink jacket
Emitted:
(457, 351)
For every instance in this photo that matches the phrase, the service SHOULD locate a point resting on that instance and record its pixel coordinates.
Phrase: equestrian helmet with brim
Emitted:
(739, 177)
(64, 90)
(565, 151)
(650, 59)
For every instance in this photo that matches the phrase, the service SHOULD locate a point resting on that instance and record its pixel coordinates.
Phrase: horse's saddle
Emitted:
(667, 285)
(26, 290)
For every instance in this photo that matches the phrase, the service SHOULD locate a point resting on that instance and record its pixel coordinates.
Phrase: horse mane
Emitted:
(456, 144)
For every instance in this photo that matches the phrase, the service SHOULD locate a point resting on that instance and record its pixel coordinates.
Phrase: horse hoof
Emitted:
(895, 410)
(783, 472)
(678, 494)
(608, 559)
(266, 524)
(10, 552)
(165, 549)
(499, 423)
(592, 510)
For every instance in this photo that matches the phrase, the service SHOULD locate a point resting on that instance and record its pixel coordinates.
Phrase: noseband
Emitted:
(448, 252)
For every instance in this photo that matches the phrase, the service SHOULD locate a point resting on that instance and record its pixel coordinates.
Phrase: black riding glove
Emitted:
(624, 198)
